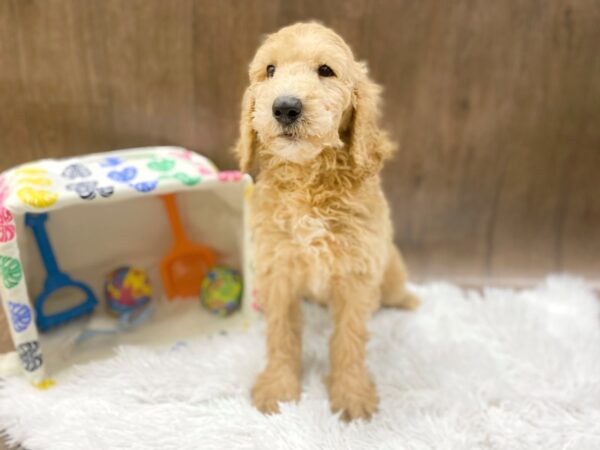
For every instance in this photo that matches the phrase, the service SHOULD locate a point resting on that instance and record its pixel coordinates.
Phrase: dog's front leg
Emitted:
(351, 390)
(280, 380)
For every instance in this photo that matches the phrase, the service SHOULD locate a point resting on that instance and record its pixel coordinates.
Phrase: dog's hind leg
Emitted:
(393, 287)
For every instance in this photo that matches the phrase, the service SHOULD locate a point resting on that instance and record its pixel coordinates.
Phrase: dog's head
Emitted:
(307, 94)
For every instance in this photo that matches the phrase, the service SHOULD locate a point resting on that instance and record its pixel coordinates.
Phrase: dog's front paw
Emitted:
(354, 395)
(273, 386)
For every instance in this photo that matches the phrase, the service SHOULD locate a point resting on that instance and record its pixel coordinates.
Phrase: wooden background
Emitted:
(495, 104)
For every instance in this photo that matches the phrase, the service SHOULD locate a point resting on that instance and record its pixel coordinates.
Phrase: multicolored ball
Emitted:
(221, 291)
(127, 289)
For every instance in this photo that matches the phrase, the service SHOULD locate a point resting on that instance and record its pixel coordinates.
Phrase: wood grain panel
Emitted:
(495, 106)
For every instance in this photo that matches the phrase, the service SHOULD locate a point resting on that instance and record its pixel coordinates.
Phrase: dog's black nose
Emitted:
(287, 109)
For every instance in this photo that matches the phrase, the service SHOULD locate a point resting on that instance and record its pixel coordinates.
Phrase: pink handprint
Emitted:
(230, 175)
(255, 305)
(182, 154)
(7, 225)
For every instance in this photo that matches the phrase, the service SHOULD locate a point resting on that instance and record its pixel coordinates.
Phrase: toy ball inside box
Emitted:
(127, 289)
(221, 291)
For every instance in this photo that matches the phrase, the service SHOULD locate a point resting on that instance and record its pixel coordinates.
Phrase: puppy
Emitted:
(320, 222)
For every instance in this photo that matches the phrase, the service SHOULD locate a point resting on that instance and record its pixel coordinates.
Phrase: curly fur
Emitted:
(320, 222)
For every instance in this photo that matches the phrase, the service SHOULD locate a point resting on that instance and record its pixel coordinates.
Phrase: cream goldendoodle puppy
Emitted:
(319, 218)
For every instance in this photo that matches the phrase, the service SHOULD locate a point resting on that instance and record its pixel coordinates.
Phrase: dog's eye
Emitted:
(325, 71)
(270, 70)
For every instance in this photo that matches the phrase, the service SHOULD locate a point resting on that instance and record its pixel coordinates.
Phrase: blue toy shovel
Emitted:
(55, 280)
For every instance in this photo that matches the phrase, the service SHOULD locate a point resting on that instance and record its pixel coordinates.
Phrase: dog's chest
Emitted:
(312, 239)
(310, 226)
(309, 230)
(319, 236)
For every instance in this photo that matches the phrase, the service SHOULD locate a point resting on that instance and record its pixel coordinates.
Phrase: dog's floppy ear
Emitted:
(245, 149)
(368, 144)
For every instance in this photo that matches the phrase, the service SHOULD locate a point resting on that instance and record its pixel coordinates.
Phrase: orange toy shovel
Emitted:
(183, 268)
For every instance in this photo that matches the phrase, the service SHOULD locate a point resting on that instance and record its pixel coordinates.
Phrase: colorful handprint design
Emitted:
(8, 229)
(230, 175)
(10, 271)
(30, 355)
(20, 316)
(37, 198)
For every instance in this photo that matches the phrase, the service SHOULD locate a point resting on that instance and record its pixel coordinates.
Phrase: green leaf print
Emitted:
(161, 165)
(187, 179)
(11, 272)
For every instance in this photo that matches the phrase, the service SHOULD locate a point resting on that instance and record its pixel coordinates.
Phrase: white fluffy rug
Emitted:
(502, 370)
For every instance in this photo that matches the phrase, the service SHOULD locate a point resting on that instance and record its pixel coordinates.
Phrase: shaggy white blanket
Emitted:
(502, 370)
